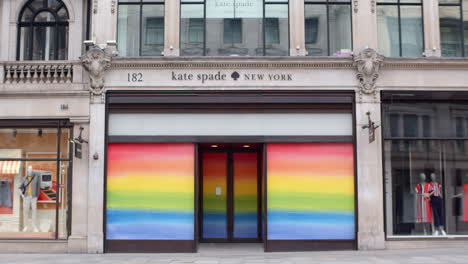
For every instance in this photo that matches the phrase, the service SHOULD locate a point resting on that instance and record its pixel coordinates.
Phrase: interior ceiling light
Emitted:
(246, 146)
(214, 146)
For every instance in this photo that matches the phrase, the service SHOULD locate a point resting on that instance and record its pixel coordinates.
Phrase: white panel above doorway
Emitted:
(231, 124)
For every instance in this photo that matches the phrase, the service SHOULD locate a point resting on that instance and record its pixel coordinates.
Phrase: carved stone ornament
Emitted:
(368, 63)
(356, 6)
(96, 61)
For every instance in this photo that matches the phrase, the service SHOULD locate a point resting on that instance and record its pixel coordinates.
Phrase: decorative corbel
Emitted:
(368, 63)
(96, 61)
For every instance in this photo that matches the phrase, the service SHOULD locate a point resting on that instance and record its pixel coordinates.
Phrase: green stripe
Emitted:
(148, 200)
(310, 202)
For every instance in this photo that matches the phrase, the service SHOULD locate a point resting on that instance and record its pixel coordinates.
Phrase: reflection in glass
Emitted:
(387, 30)
(192, 30)
(128, 38)
(211, 29)
(328, 29)
(411, 31)
(450, 35)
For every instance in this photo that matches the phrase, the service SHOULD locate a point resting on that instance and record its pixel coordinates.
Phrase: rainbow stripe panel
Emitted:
(150, 191)
(310, 191)
(245, 195)
(214, 204)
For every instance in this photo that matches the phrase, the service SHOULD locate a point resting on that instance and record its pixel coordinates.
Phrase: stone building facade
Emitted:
(393, 112)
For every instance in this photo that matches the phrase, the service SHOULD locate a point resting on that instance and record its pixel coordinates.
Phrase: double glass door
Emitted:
(230, 193)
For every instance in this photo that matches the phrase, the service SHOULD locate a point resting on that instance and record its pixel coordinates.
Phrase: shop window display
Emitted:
(34, 169)
(426, 171)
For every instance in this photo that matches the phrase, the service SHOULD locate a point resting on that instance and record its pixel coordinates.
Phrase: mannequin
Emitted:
(424, 212)
(29, 192)
(437, 205)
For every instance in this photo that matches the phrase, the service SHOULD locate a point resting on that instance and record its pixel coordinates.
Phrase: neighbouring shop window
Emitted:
(234, 28)
(35, 168)
(328, 27)
(140, 28)
(453, 15)
(400, 28)
(426, 172)
(43, 31)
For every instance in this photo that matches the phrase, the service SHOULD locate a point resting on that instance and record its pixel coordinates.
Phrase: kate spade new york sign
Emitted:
(234, 76)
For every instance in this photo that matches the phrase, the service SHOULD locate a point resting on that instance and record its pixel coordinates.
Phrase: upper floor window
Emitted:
(43, 31)
(328, 27)
(453, 15)
(400, 28)
(140, 27)
(234, 28)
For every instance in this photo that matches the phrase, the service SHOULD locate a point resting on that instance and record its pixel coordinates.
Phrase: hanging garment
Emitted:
(465, 203)
(423, 205)
(5, 194)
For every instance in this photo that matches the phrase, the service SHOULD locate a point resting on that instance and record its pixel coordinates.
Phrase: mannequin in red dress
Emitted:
(423, 206)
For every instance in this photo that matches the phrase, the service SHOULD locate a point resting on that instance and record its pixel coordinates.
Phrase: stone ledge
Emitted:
(33, 246)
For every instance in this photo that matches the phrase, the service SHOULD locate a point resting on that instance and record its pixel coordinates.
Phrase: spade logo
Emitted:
(235, 75)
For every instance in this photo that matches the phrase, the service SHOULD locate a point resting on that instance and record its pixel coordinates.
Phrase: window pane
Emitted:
(411, 31)
(387, 25)
(128, 38)
(450, 35)
(153, 30)
(28, 200)
(44, 17)
(340, 29)
(276, 30)
(62, 43)
(316, 30)
(192, 30)
(25, 44)
(232, 33)
(18, 143)
(27, 15)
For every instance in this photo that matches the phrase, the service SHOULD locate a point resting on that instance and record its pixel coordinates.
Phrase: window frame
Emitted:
(31, 24)
(265, 3)
(399, 4)
(327, 4)
(142, 3)
(461, 26)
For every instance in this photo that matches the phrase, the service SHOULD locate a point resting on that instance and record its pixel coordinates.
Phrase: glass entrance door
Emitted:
(230, 188)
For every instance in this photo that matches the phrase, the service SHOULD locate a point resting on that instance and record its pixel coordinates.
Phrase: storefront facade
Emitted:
(173, 126)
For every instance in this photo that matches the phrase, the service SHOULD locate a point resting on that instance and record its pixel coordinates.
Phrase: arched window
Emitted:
(43, 31)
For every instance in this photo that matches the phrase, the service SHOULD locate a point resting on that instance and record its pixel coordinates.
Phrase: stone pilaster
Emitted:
(364, 24)
(77, 242)
(172, 28)
(104, 21)
(431, 28)
(369, 157)
(297, 28)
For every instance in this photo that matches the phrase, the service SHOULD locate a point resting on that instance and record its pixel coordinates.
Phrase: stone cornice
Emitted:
(281, 63)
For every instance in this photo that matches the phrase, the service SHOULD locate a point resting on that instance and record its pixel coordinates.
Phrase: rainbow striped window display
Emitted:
(310, 191)
(150, 191)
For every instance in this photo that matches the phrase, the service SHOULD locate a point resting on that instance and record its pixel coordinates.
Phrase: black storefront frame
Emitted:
(402, 96)
(128, 101)
(58, 124)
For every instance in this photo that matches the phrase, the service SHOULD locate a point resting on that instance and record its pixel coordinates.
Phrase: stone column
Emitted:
(96, 61)
(171, 28)
(297, 28)
(77, 242)
(364, 24)
(369, 154)
(431, 28)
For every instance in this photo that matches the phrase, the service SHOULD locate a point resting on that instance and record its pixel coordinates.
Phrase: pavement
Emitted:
(220, 254)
